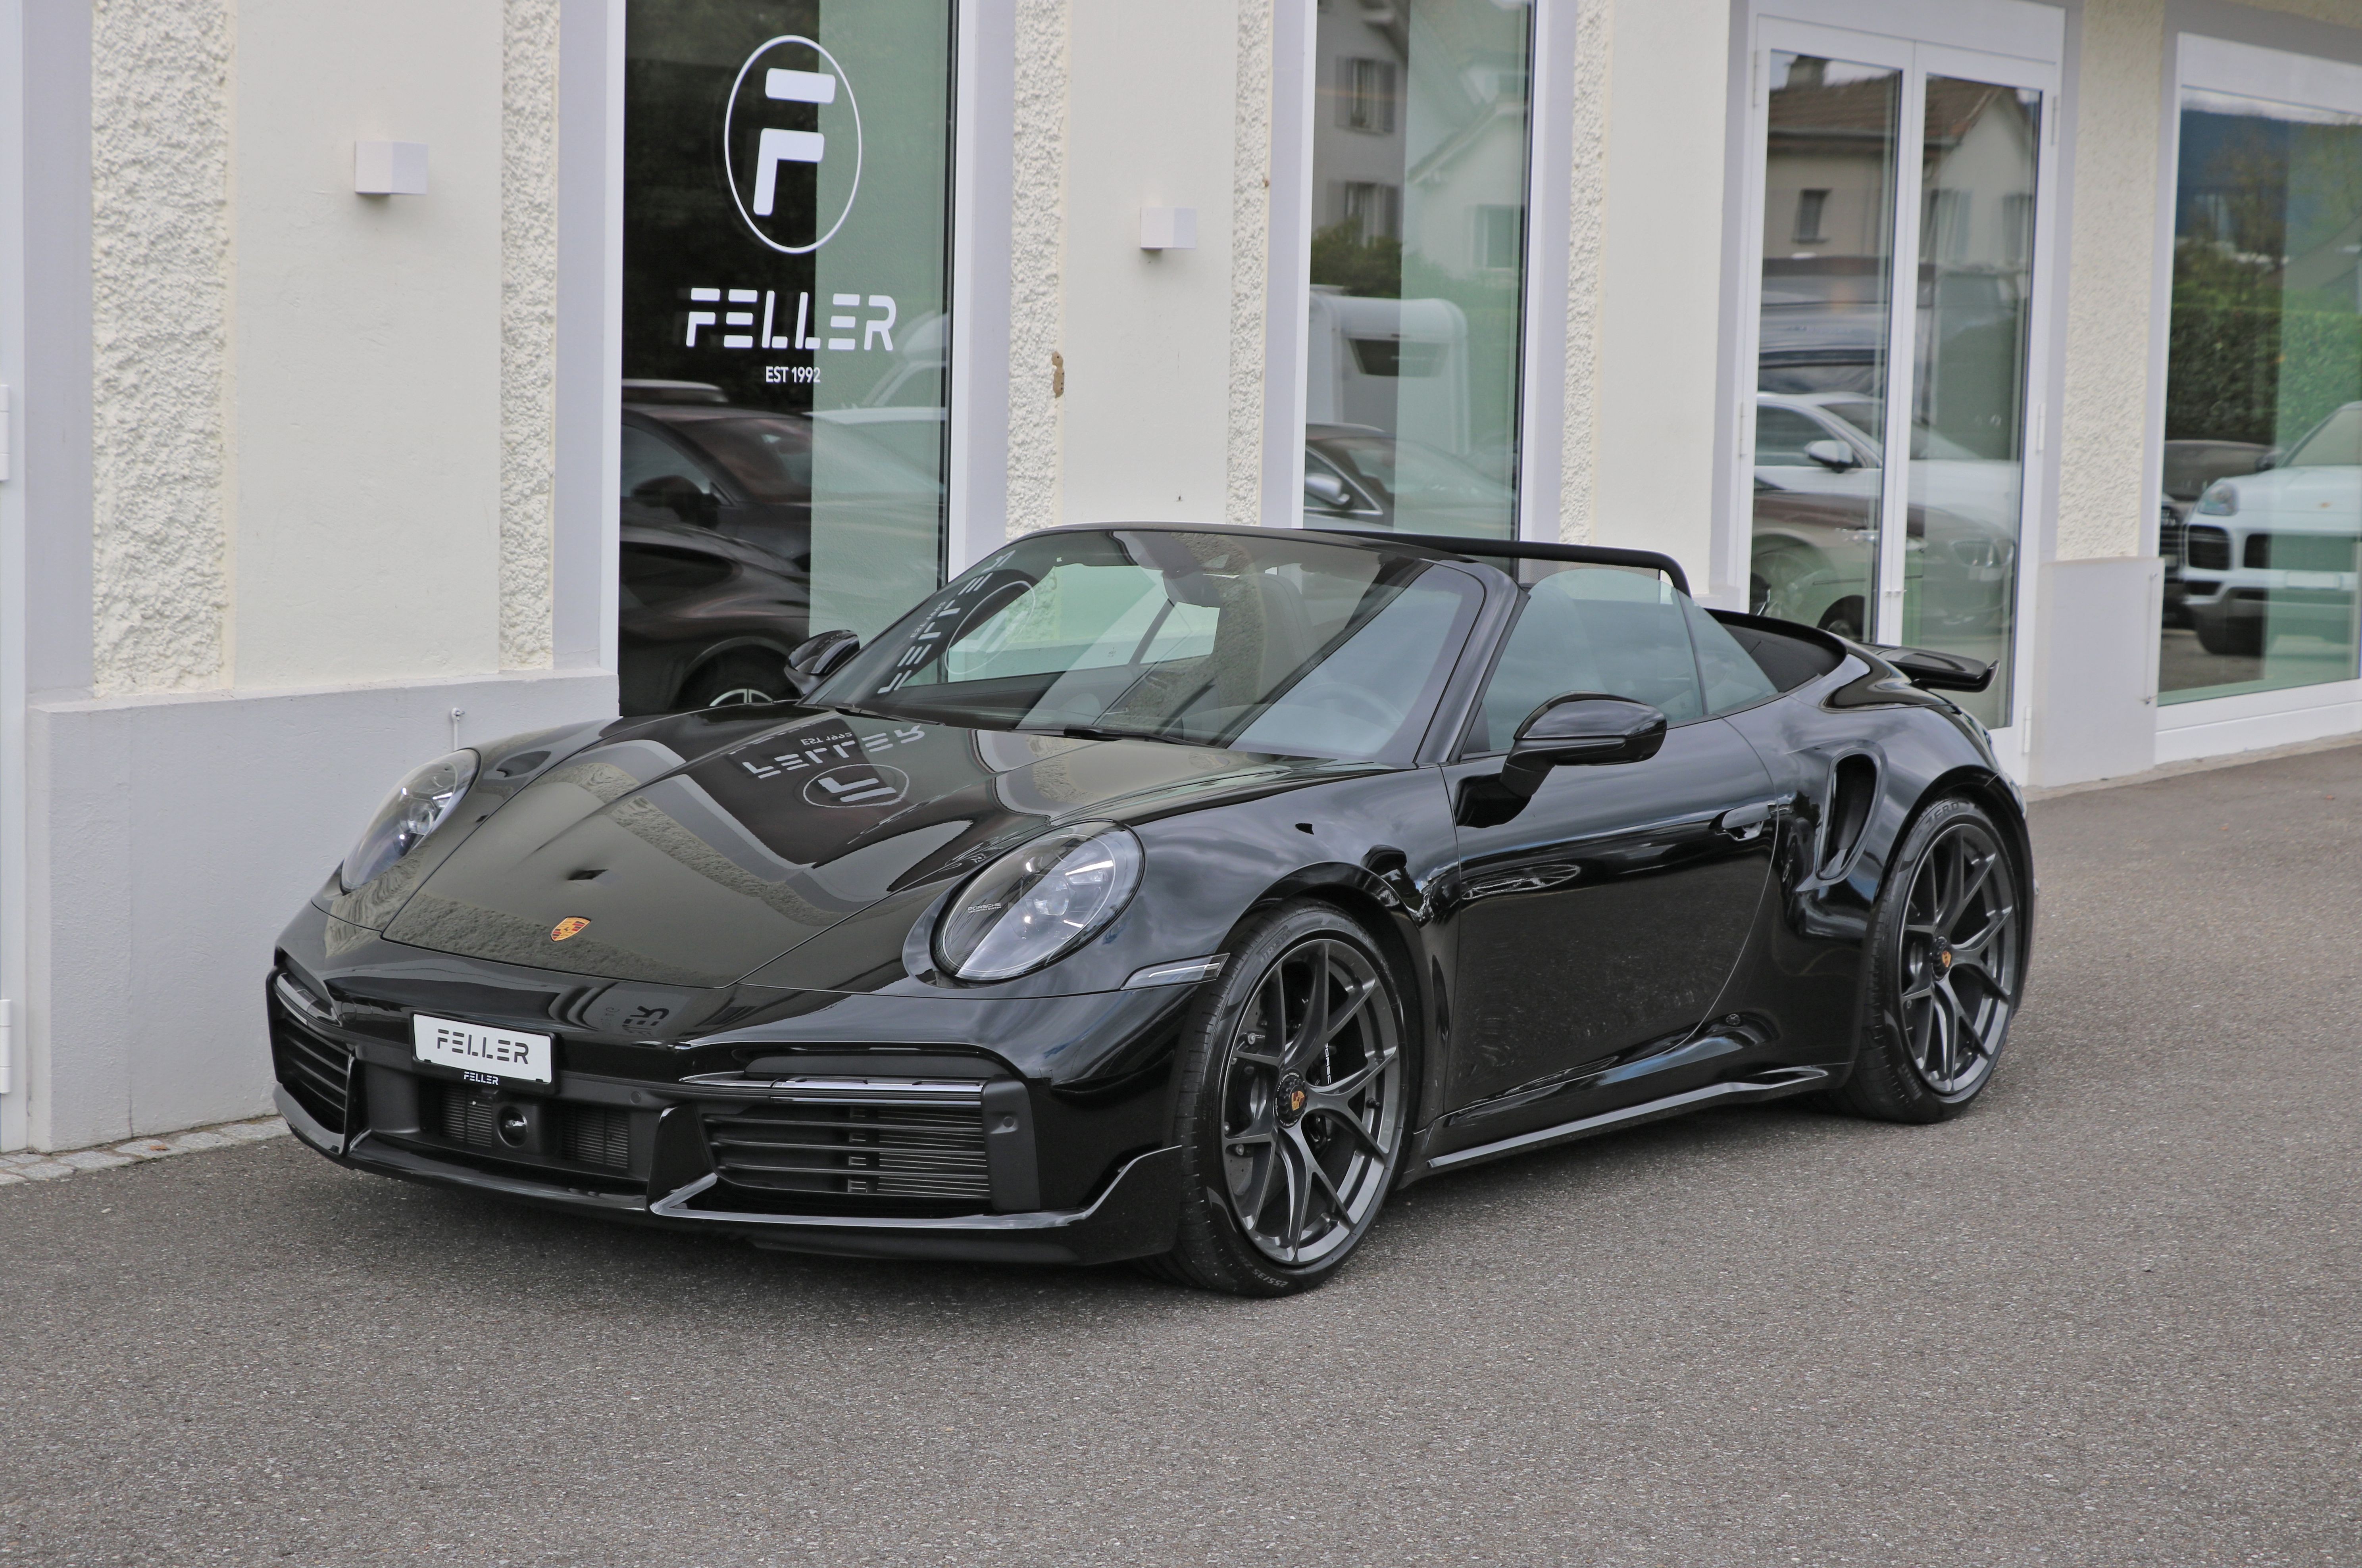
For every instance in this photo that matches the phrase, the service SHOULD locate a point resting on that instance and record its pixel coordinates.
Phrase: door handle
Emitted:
(1746, 824)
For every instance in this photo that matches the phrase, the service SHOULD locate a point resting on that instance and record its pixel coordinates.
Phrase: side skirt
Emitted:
(1777, 1083)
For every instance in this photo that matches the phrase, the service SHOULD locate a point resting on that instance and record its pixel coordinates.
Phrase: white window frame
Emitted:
(2008, 43)
(2209, 726)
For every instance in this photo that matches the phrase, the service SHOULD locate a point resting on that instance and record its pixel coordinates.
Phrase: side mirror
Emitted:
(1833, 455)
(1328, 491)
(816, 658)
(1582, 729)
(2270, 459)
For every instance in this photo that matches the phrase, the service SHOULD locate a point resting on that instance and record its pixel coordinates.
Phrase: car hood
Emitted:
(2329, 499)
(696, 850)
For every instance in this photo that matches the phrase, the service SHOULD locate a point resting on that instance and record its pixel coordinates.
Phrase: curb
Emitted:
(28, 1167)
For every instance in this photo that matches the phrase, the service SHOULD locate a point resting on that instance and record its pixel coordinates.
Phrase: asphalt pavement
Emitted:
(2113, 1315)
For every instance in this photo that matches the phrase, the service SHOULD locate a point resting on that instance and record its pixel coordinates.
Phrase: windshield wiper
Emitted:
(1093, 731)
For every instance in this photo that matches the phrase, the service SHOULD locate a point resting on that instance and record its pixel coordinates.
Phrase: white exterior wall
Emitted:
(1145, 427)
(319, 516)
(293, 482)
(1654, 392)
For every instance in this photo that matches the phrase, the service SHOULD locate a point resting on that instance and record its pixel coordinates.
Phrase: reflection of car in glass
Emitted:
(1171, 893)
(2190, 466)
(1359, 477)
(1822, 444)
(2278, 545)
(1814, 560)
(733, 487)
(702, 619)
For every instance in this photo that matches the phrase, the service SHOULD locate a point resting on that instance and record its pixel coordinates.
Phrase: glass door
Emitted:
(1887, 442)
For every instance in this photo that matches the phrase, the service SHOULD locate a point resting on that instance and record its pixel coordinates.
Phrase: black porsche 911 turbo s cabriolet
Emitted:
(1171, 893)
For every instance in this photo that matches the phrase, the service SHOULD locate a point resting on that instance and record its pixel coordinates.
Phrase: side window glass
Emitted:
(1592, 629)
(1732, 678)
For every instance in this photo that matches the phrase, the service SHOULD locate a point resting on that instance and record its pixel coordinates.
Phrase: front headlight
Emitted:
(417, 806)
(1038, 903)
(2220, 500)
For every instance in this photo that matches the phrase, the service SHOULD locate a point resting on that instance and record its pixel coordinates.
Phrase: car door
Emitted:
(1599, 922)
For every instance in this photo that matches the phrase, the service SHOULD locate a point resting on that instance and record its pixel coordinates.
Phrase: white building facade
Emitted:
(380, 382)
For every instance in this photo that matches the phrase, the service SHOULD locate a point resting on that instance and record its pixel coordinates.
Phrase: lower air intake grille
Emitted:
(2206, 547)
(312, 1068)
(585, 1134)
(930, 1154)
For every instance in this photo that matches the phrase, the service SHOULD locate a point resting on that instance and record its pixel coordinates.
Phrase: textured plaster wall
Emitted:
(2103, 453)
(370, 345)
(160, 304)
(1653, 388)
(1585, 263)
(528, 327)
(1250, 262)
(1147, 335)
(1037, 246)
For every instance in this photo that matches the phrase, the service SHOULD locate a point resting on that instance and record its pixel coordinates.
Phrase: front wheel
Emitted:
(1294, 1099)
(1947, 965)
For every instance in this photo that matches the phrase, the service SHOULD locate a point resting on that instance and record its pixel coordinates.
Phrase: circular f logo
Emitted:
(784, 122)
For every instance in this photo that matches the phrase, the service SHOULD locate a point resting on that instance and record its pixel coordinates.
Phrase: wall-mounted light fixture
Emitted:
(1168, 228)
(389, 168)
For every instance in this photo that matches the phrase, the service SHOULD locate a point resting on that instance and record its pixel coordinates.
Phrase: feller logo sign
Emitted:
(772, 146)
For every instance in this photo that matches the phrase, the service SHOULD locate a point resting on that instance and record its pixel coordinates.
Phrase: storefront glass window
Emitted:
(1978, 163)
(1419, 169)
(2263, 401)
(1831, 546)
(786, 220)
(1821, 365)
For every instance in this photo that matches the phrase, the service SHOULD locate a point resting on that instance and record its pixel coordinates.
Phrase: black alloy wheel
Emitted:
(1947, 959)
(747, 675)
(1294, 1101)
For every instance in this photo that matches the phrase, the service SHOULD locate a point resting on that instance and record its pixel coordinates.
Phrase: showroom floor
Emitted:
(2107, 1318)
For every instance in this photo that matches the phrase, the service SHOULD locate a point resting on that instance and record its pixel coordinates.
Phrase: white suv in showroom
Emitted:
(2279, 543)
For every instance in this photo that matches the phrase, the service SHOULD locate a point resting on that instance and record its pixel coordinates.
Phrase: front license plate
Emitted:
(484, 1052)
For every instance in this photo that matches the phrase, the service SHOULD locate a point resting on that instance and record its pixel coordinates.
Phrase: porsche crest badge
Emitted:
(572, 926)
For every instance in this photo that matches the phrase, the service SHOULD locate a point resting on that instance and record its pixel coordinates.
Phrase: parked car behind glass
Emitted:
(2279, 545)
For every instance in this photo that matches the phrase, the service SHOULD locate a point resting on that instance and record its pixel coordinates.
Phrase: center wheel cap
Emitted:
(1944, 958)
(1292, 1098)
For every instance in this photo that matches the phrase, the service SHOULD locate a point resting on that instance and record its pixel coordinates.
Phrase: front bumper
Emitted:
(943, 1160)
(1132, 1217)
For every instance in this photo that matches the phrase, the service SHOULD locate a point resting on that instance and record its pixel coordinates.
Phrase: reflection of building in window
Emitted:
(1366, 96)
(1373, 211)
(1944, 232)
(1811, 206)
(2017, 227)
(1500, 237)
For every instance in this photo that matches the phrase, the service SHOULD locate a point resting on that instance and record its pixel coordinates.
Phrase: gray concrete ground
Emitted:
(2110, 1317)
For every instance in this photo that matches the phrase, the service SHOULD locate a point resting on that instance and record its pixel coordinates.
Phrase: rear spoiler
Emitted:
(1933, 671)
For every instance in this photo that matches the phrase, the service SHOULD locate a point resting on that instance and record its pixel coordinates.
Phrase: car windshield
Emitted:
(1268, 644)
(2335, 443)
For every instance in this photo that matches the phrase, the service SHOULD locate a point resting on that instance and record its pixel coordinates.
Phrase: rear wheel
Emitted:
(1946, 965)
(1294, 1100)
(747, 675)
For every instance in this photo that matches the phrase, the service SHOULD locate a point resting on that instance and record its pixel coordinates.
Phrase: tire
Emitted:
(2220, 634)
(743, 675)
(1288, 1150)
(1845, 617)
(1945, 968)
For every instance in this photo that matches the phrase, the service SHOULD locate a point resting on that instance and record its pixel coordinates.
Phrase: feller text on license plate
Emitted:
(482, 1053)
